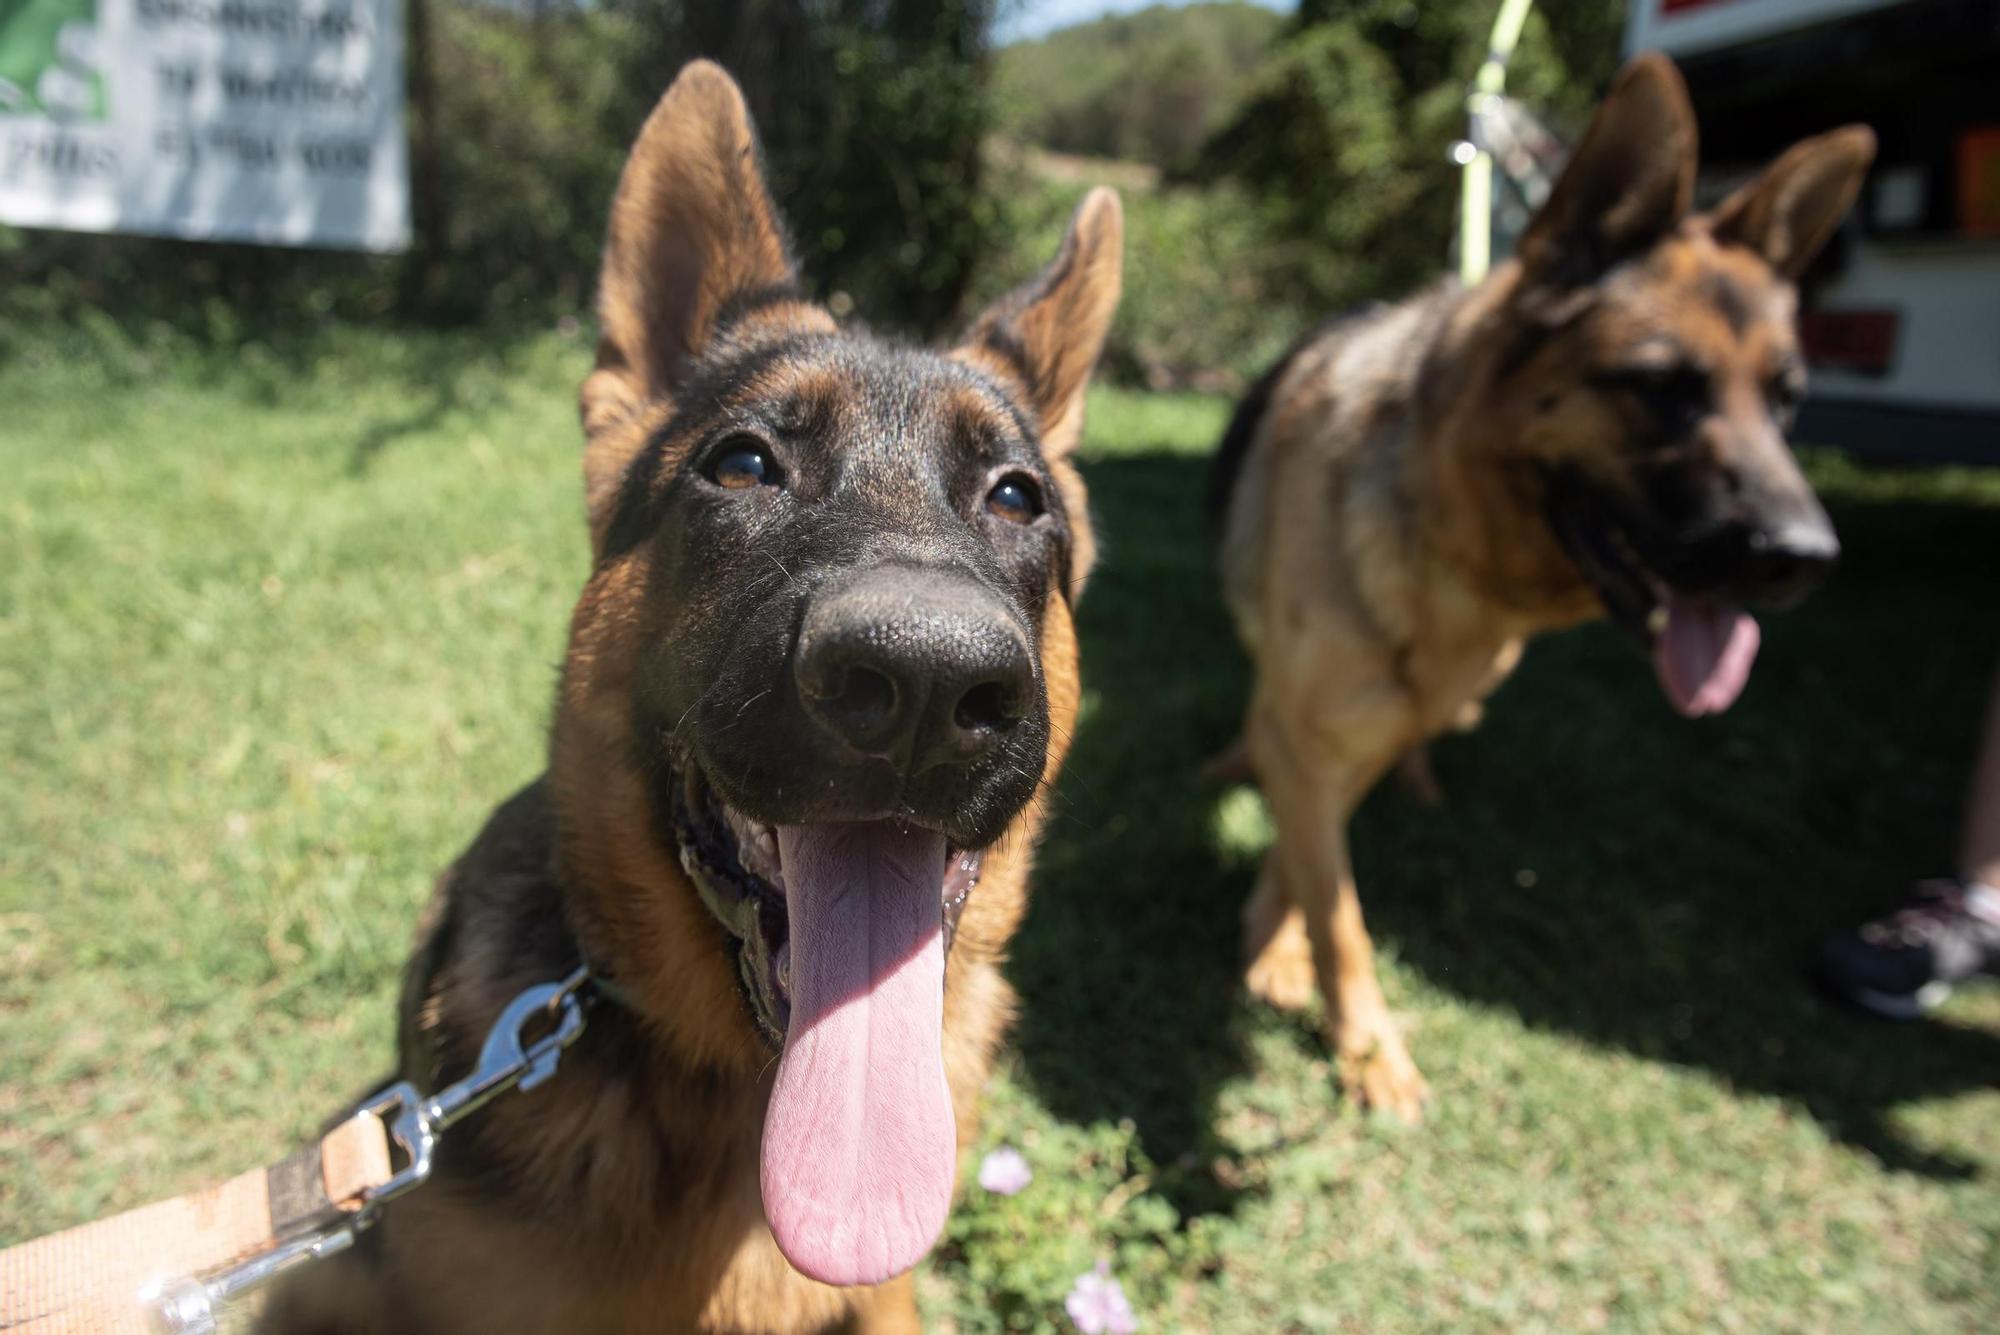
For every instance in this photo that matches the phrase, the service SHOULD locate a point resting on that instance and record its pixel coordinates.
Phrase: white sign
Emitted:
(270, 121)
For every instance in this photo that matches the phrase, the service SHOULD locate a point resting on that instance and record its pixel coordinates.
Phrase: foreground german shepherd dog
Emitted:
(823, 661)
(1411, 493)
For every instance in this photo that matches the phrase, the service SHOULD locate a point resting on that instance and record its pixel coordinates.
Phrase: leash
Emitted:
(1474, 153)
(173, 1267)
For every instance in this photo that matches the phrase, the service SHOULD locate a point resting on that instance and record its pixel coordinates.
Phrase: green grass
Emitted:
(278, 627)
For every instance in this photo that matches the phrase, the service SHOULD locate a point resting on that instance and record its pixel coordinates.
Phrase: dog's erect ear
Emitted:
(692, 227)
(1792, 209)
(1046, 336)
(1629, 182)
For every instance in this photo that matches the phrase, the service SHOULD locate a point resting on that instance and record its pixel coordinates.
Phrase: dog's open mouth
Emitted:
(841, 933)
(737, 867)
(1702, 647)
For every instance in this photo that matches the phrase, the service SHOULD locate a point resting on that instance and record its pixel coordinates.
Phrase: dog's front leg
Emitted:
(1375, 1067)
(1312, 793)
(1280, 968)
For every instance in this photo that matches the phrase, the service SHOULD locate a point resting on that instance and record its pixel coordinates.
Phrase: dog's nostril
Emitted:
(920, 668)
(1784, 562)
(865, 695)
(987, 707)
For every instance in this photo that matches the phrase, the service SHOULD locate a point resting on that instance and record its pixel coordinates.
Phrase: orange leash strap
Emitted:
(87, 1280)
(173, 1266)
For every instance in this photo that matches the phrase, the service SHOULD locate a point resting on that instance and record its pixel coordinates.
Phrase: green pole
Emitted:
(1475, 219)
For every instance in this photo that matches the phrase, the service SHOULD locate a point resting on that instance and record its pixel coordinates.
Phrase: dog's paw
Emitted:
(1382, 1078)
(1282, 974)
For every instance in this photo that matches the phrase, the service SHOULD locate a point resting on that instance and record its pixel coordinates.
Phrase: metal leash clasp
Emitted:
(520, 1052)
(509, 1059)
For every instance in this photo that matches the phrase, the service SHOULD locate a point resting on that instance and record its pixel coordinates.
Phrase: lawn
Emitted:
(279, 625)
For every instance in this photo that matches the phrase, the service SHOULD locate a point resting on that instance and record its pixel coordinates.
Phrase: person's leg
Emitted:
(1980, 856)
(1904, 964)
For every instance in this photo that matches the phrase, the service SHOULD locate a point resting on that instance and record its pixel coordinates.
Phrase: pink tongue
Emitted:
(1703, 656)
(860, 1149)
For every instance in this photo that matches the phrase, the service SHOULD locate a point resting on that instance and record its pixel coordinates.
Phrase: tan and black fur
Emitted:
(1415, 491)
(623, 1195)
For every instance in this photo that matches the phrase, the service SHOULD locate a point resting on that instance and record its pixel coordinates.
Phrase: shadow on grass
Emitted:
(267, 360)
(437, 370)
(1599, 867)
(1127, 963)
(426, 413)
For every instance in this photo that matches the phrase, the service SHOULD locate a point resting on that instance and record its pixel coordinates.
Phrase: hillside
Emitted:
(1148, 86)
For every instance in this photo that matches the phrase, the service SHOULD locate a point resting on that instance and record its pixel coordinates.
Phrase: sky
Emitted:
(1033, 18)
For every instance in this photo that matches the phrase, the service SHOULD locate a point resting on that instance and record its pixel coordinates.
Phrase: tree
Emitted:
(1345, 131)
(871, 114)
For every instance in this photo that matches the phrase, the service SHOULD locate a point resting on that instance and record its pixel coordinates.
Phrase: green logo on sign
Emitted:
(49, 63)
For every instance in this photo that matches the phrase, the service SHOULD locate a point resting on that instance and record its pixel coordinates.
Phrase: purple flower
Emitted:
(1097, 1304)
(1004, 1171)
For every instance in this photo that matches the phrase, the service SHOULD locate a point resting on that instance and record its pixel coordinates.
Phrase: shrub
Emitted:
(1202, 307)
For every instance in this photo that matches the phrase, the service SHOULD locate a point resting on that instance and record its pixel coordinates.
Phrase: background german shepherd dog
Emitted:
(822, 665)
(1412, 492)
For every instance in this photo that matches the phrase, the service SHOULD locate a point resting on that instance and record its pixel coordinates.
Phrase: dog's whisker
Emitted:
(740, 709)
(711, 689)
(780, 564)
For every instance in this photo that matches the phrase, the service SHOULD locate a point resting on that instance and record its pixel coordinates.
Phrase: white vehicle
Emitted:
(1902, 314)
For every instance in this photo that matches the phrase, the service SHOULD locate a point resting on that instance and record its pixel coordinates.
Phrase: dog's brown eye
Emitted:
(1676, 395)
(1016, 499)
(1788, 387)
(743, 464)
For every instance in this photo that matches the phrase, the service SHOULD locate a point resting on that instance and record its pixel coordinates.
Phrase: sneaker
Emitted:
(1906, 964)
